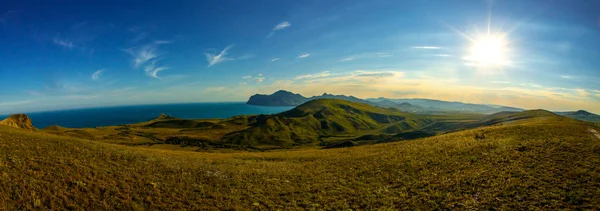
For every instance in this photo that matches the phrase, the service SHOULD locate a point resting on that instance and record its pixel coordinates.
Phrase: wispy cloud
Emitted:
(566, 76)
(345, 59)
(426, 47)
(143, 54)
(215, 89)
(147, 56)
(96, 75)
(260, 78)
(218, 58)
(311, 76)
(274, 59)
(302, 56)
(63, 43)
(279, 27)
(152, 69)
(383, 55)
(15, 103)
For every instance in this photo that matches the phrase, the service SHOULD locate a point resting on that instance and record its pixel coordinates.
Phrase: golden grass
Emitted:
(547, 164)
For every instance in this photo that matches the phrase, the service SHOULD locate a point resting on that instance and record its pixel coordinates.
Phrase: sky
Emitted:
(69, 54)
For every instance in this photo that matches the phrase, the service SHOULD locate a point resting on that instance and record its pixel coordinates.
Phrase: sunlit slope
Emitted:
(542, 163)
(500, 118)
(310, 121)
(21, 121)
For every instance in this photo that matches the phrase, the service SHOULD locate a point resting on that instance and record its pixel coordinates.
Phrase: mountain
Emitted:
(21, 121)
(279, 98)
(318, 118)
(581, 115)
(429, 105)
(286, 98)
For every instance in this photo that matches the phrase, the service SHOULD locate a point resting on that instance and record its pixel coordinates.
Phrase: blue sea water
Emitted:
(92, 117)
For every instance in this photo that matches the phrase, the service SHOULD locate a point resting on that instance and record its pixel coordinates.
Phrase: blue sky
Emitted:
(63, 54)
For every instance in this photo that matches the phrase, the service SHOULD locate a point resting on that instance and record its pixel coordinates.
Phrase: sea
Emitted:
(107, 116)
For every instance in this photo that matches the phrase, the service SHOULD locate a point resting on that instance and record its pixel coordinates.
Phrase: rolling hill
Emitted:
(309, 122)
(533, 161)
(581, 115)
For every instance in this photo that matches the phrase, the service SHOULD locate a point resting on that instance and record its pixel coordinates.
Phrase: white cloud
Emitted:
(147, 56)
(258, 78)
(566, 76)
(281, 26)
(310, 76)
(145, 53)
(384, 55)
(152, 70)
(274, 59)
(302, 56)
(426, 47)
(218, 58)
(63, 43)
(345, 59)
(96, 75)
(15, 103)
(215, 89)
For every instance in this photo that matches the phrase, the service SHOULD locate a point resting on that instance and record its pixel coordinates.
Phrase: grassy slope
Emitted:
(550, 163)
(311, 121)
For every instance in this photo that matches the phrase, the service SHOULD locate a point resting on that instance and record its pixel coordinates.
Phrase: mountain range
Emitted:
(412, 105)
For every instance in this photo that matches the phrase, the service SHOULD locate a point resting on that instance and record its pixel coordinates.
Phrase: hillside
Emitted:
(581, 115)
(310, 121)
(536, 163)
(21, 121)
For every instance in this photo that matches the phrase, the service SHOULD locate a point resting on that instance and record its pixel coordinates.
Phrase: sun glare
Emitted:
(488, 50)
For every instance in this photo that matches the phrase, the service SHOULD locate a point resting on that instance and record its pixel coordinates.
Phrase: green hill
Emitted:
(309, 122)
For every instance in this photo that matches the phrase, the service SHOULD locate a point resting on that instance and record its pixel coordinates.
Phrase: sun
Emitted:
(489, 51)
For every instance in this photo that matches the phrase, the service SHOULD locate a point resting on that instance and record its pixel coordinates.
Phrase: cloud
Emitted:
(384, 55)
(426, 47)
(345, 59)
(63, 43)
(274, 59)
(259, 78)
(143, 54)
(309, 76)
(302, 56)
(15, 103)
(218, 58)
(152, 70)
(215, 89)
(566, 76)
(148, 56)
(279, 27)
(96, 75)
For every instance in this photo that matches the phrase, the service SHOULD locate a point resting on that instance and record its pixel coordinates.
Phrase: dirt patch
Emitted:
(595, 133)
